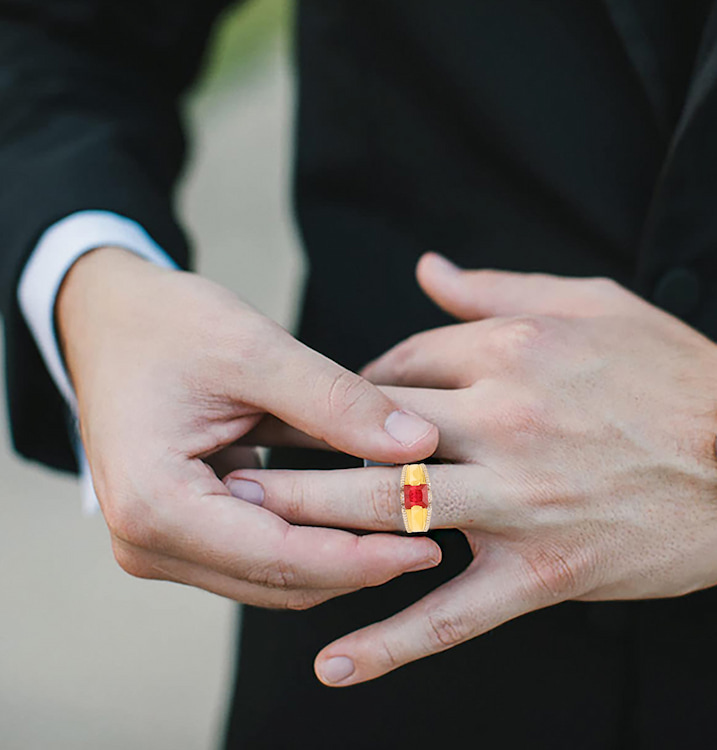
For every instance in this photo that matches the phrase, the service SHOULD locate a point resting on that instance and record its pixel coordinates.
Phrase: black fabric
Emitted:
(570, 137)
(88, 120)
(559, 678)
(516, 135)
(674, 30)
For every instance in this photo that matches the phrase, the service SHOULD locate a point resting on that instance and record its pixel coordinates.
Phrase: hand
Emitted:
(169, 369)
(579, 426)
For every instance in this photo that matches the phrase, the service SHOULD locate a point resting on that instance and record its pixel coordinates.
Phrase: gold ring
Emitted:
(416, 498)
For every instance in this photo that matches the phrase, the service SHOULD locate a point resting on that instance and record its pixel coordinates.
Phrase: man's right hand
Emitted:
(169, 369)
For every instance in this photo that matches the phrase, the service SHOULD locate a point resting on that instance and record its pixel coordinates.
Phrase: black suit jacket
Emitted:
(568, 137)
(516, 134)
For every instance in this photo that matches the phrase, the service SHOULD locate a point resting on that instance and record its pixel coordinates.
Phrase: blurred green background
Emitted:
(243, 39)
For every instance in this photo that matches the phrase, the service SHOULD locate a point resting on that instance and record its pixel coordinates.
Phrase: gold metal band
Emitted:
(416, 498)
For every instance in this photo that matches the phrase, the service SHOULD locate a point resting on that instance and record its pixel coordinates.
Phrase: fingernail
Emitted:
(443, 265)
(336, 669)
(406, 428)
(423, 565)
(247, 490)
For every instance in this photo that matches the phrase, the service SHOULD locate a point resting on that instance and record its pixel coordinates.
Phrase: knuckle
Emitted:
(131, 520)
(446, 630)
(133, 562)
(543, 494)
(516, 417)
(345, 391)
(384, 504)
(279, 575)
(295, 504)
(553, 572)
(401, 359)
(603, 286)
(527, 416)
(517, 336)
(389, 655)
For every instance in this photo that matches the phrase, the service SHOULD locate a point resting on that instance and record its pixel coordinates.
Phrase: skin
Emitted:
(170, 370)
(577, 434)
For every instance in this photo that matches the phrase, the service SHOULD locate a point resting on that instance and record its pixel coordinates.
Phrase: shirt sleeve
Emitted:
(53, 256)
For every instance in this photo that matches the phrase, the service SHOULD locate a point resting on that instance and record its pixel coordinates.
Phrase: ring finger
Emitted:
(464, 496)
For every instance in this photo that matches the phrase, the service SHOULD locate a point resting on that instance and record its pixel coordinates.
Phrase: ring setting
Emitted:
(416, 498)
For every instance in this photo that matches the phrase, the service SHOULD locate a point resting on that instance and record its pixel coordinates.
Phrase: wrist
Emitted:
(89, 292)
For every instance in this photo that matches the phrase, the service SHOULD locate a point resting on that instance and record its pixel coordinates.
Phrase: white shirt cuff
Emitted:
(55, 253)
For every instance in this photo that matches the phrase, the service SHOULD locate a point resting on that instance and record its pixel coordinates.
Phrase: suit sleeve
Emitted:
(89, 120)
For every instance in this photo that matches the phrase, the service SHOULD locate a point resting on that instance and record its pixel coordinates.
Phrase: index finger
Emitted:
(440, 407)
(323, 399)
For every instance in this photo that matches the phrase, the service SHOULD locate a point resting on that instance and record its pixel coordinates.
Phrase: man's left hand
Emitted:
(577, 426)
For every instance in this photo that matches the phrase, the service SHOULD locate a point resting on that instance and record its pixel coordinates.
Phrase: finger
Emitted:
(371, 498)
(473, 295)
(271, 432)
(450, 357)
(153, 566)
(452, 410)
(245, 541)
(440, 407)
(319, 397)
(469, 605)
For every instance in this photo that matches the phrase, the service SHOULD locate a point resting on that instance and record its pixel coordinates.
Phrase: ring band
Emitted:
(416, 498)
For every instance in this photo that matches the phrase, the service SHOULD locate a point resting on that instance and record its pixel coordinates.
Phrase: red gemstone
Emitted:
(415, 494)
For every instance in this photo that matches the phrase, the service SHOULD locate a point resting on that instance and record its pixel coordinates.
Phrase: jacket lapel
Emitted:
(679, 227)
(640, 50)
(704, 76)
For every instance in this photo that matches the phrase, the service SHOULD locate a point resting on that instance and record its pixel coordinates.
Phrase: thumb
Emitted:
(474, 295)
(316, 395)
